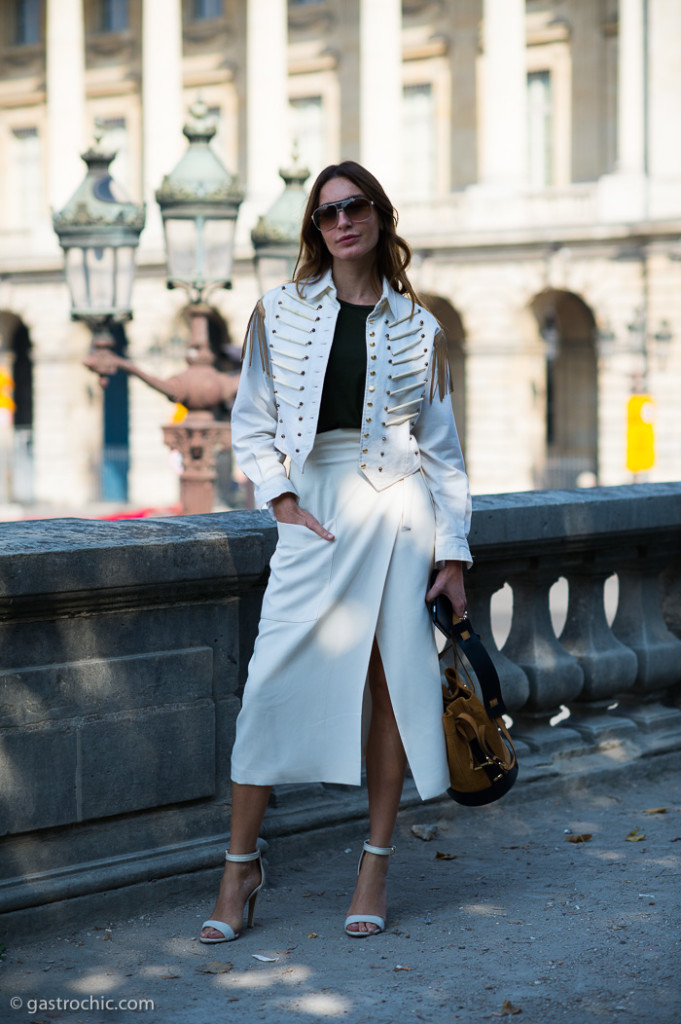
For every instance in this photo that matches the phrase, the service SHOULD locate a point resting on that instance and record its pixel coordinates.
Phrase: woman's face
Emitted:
(349, 240)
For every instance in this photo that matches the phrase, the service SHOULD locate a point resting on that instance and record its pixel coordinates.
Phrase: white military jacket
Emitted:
(407, 421)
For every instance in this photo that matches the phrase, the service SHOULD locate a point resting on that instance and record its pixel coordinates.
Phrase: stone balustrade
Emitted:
(125, 646)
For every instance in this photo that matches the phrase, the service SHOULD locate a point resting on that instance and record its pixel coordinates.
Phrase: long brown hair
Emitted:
(393, 255)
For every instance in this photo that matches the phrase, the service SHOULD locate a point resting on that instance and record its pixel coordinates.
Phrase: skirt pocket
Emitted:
(300, 572)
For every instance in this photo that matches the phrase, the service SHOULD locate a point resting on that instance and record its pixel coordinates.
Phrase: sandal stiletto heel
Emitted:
(228, 933)
(381, 851)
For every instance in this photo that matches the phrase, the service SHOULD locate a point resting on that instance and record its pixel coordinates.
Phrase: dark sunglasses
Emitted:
(357, 208)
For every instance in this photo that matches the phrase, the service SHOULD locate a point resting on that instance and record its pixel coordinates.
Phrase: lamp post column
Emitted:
(200, 435)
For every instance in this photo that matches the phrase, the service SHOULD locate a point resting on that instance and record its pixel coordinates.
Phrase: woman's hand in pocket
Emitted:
(286, 509)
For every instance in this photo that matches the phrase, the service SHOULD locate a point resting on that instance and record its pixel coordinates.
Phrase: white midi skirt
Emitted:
(301, 716)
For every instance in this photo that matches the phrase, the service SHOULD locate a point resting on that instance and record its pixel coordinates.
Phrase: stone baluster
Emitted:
(483, 583)
(555, 678)
(639, 624)
(609, 666)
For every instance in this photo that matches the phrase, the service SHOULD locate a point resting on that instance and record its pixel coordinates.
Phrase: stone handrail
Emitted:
(125, 646)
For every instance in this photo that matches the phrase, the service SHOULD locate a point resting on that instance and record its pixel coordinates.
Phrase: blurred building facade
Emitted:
(530, 147)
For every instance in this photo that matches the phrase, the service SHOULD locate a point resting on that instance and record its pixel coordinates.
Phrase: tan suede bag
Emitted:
(480, 752)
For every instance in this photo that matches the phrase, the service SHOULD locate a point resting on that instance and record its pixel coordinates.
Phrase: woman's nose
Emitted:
(343, 218)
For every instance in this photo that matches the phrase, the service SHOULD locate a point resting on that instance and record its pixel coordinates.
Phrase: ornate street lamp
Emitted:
(199, 202)
(99, 230)
(276, 236)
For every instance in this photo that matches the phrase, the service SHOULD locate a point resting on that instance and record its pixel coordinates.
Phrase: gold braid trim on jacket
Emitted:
(440, 375)
(256, 329)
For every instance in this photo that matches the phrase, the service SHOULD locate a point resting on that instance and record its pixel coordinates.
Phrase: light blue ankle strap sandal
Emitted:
(380, 851)
(228, 933)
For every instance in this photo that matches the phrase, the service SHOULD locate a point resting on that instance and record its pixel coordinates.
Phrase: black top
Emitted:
(343, 393)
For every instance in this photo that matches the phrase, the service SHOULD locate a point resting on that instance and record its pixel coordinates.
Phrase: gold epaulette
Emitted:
(256, 332)
(440, 376)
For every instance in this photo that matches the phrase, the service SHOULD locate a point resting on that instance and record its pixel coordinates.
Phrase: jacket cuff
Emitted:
(272, 488)
(453, 549)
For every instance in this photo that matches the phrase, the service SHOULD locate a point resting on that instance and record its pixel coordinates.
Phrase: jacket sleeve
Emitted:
(443, 470)
(254, 417)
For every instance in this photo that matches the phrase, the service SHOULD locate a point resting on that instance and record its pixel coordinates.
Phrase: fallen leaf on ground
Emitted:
(508, 1009)
(635, 836)
(168, 977)
(215, 967)
(445, 856)
(425, 832)
(265, 959)
(584, 838)
(312, 935)
(656, 810)
(400, 967)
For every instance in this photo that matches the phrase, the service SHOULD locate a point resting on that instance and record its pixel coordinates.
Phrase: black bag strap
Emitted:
(470, 644)
(461, 633)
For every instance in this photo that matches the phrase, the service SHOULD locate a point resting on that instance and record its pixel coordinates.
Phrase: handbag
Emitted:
(480, 752)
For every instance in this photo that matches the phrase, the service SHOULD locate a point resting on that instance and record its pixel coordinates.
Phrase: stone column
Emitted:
(380, 89)
(504, 94)
(268, 144)
(631, 89)
(66, 138)
(664, 90)
(624, 194)
(162, 104)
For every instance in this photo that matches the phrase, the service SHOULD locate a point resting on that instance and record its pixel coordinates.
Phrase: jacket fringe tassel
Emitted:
(440, 377)
(255, 332)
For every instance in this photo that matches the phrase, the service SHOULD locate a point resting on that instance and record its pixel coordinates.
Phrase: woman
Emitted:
(345, 373)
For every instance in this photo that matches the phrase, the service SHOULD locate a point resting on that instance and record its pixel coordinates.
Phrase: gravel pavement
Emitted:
(558, 905)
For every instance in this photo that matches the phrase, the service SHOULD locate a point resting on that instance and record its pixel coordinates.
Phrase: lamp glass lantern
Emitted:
(99, 230)
(276, 236)
(199, 203)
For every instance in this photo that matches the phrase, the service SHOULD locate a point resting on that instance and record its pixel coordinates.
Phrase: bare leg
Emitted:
(239, 880)
(386, 762)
